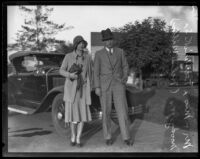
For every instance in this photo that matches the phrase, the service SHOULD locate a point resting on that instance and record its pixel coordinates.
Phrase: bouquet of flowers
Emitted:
(78, 69)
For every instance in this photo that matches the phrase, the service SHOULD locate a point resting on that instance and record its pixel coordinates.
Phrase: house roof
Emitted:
(186, 39)
(183, 39)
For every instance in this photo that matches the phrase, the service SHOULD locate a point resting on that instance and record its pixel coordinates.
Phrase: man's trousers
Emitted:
(116, 91)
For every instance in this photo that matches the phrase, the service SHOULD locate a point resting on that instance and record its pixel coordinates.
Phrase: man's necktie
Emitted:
(110, 52)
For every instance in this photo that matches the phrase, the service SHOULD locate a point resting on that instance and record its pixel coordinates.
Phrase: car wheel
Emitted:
(58, 116)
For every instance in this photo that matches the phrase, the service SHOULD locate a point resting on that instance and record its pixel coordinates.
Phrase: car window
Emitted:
(51, 60)
(30, 63)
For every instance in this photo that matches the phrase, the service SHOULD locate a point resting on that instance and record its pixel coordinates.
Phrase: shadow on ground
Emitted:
(91, 129)
(36, 133)
(22, 130)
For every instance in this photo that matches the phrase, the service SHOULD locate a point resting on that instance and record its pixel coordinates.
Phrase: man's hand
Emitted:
(73, 75)
(98, 91)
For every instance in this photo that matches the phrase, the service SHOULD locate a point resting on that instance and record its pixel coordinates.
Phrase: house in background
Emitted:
(194, 58)
(185, 46)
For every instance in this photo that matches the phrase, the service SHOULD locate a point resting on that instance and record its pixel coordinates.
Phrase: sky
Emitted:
(87, 19)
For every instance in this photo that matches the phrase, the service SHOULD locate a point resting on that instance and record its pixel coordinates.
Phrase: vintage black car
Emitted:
(35, 86)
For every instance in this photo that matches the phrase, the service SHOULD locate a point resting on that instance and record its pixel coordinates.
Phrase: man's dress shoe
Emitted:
(128, 142)
(109, 142)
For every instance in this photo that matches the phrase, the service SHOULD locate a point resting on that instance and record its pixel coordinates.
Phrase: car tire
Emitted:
(58, 116)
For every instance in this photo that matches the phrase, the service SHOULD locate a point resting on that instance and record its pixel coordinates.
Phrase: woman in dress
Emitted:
(76, 67)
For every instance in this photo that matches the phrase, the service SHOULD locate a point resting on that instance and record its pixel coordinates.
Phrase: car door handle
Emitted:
(19, 79)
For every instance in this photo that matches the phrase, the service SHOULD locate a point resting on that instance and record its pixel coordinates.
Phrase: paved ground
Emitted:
(35, 133)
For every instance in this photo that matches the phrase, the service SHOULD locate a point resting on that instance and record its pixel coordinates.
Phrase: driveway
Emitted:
(35, 133)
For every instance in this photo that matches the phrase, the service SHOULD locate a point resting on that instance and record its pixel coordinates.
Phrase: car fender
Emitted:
(48, 99)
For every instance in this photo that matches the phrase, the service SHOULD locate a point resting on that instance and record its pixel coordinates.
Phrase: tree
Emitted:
(38, 31)
(62, 47)
(148, 45)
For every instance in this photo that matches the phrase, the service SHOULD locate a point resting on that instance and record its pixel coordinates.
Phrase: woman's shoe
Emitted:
(79, 144)
(72, 143)
(128, 142)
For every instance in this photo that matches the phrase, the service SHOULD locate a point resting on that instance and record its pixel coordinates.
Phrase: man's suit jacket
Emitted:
(105, 72)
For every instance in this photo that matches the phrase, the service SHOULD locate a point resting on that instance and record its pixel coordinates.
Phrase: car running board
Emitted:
(21, 109)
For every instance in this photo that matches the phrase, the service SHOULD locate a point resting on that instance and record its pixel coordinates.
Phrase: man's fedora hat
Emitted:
(106, 34)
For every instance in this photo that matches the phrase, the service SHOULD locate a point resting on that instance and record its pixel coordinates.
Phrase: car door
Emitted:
(31, 86)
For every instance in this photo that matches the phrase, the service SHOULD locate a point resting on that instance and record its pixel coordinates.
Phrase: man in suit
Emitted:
(110, 76)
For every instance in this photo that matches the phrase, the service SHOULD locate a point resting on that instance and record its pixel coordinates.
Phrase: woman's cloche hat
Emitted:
(77, 40)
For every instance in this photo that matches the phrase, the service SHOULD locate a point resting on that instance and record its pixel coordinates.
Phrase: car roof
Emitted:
(25, 53)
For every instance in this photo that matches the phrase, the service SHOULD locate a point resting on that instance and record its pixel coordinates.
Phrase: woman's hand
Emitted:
(98, 91)
(73, 75)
